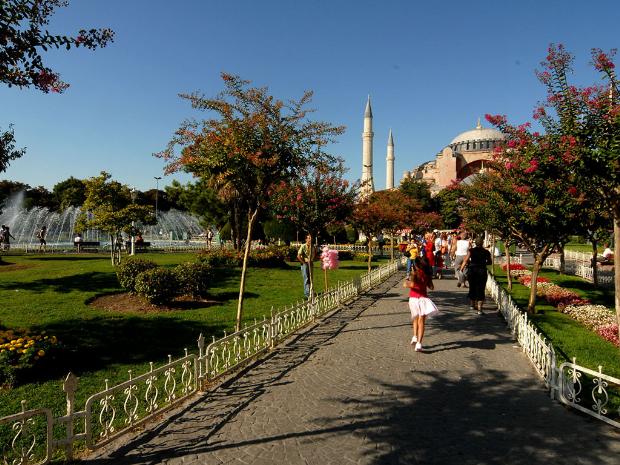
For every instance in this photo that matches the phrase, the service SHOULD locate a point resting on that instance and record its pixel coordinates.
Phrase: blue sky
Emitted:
(431, 68)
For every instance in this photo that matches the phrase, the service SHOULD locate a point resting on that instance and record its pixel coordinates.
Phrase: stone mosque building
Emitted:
(464, 156)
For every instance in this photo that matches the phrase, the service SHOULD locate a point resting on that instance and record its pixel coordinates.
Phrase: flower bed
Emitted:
(20, 353)
(597, 318)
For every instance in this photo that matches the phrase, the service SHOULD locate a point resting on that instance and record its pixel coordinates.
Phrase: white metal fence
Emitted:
(569, 383)
(575, 264)
(37, 434)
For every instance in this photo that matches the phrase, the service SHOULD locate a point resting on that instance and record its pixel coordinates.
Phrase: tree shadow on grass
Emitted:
(94, 344)
(60, 258)
(92, 281)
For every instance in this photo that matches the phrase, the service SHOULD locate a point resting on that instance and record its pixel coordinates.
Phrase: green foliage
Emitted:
(418, 191)
(275, 229)
(217, 258)
(346, 255)
(193, 278)
(70, 192)
(24, 34)
(269, 257)
(449, 206)
(128, 271)
(157, 285)
(8, 152)
(351, 234)
(361, 257)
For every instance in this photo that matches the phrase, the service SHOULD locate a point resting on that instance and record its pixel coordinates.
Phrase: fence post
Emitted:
(201, 348)
(272, 330)
(69, 387)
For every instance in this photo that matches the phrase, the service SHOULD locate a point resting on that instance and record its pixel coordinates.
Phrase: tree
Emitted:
(419, 191)
(532, 182)
(251, 144)
(315, 199)
(69, 193)
(590, 118)
(23, 36)
(448, 205)
(8, 152)
(383, 211)
(109, 207)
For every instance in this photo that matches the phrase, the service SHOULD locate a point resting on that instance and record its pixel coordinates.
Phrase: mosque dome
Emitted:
(478, 134)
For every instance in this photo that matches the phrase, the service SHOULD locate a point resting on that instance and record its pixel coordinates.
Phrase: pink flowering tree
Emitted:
(316, 199)
(589, 116)
(23, 38)
(532, 184)
(249, 145)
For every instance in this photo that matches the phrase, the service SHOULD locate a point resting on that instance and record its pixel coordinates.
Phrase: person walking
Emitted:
(460, 252)
(477, 259)
(418, 281)
(304, 257)
(41, 236)
(6, 237)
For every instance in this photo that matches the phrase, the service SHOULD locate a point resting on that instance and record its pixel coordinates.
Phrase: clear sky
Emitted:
(431, 68)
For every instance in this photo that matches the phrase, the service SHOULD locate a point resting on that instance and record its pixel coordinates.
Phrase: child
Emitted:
(420, 305)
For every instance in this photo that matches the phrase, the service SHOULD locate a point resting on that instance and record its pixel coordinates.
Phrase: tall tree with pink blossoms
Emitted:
(590, 118)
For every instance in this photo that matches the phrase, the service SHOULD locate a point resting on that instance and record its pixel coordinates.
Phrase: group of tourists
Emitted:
(6, 236)
(427, 256)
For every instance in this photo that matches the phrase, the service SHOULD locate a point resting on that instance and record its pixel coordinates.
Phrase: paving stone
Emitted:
(353, 390)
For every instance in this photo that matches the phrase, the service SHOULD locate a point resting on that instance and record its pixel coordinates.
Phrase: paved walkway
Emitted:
(352, 390)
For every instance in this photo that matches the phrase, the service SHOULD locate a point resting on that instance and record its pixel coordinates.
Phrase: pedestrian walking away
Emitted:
(477, 260)
(418, 281)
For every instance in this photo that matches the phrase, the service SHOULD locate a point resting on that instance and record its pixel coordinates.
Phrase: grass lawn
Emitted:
(51, 293)
(570, 338)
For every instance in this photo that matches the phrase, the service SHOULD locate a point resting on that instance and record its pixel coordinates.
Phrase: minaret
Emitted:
(368, 185)
(389, 179)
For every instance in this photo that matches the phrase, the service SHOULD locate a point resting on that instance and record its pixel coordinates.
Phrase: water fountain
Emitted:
(173, 227)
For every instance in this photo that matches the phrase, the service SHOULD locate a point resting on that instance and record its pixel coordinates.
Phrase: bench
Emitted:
(86, 245)
(138, 246)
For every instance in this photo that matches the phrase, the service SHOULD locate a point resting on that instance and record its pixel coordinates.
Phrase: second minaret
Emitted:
(389, 179)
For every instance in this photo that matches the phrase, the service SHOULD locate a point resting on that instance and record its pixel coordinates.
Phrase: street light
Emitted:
(134, 195)
(157, 178)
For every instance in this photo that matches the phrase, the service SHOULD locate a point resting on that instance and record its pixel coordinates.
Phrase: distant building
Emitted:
(464, 156)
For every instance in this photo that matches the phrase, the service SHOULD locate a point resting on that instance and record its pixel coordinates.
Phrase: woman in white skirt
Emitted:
(420, 305)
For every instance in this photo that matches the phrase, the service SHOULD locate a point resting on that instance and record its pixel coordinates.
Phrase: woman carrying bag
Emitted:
(476, 261)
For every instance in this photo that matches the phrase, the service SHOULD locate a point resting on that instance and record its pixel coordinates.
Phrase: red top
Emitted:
(420, 283)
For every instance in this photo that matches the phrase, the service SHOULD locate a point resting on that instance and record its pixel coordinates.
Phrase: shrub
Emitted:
(610, 333)
(513, 266)
(193, 278)
(220, 257)
(157, 285)
(128, 271)
(362, 257)
(269, 257)
(20, 354)
(346, 255)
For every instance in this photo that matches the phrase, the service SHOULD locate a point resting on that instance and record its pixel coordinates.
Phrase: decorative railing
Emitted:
(36, 434)
(568, 382)
(580, 268)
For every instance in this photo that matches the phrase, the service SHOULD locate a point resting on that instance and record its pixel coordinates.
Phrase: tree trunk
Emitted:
(616, 268)
(112, 254)
(593, 262)
(369, 253)
(493, 255)
(311, 266)
(248, 243)
(391, 247)
(508, 276)
(531, 305)
(562, 260)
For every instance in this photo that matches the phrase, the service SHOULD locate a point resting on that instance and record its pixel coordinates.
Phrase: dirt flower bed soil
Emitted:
(130, 303)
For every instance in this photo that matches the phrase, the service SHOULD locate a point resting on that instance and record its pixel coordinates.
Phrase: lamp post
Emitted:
(157, 178)
(134, 195)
